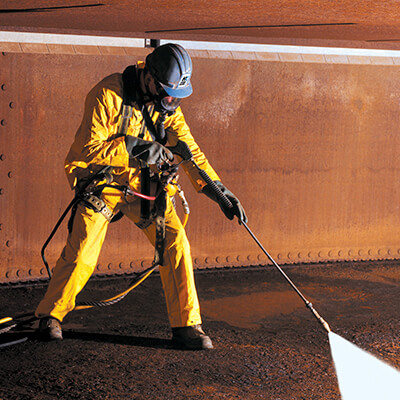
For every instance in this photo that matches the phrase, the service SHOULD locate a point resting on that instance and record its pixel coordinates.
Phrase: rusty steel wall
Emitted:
(309, 148)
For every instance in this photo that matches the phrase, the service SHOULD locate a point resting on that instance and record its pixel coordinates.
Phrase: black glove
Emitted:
(148, 151)
(236, 209)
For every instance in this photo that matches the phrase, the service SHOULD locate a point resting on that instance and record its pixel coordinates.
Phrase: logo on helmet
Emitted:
(184, 80)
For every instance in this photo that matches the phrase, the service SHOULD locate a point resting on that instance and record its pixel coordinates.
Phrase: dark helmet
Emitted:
(171, 66)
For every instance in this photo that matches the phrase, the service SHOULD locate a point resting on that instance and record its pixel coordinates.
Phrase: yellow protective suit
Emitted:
(96, 145)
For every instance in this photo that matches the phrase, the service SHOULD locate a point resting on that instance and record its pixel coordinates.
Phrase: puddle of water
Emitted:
(247, 310)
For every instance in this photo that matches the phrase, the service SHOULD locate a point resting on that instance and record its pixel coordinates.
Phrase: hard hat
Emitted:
(171, 66)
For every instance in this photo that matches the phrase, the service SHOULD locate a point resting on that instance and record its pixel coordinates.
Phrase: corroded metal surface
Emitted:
(369, 23)
(310, 149)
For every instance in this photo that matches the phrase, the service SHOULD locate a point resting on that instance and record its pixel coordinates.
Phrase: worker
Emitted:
(132, 141)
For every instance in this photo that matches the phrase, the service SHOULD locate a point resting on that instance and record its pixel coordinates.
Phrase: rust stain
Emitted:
(310, 150)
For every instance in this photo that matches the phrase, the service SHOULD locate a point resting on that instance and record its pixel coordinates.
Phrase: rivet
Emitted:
(207, 260)
(1, 191)
(238, 258)
(8, 243)
(3, 122)
(12, 104)
(30, 272)
(4, 53)
(249, 257)
(109, 266)
(121, 265)
(98, 267)
(279, 256)
(3, 86)
(132, 264)
(8, 273)
(9, 174)
(143, 263)
(1, 157)
(41, 272)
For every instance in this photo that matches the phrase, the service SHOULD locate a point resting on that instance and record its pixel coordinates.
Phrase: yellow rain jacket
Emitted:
(97, 144)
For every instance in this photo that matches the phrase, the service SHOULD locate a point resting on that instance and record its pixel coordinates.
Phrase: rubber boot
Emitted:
(191, 338)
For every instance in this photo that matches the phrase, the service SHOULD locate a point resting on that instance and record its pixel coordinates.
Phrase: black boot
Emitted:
(191, 338)
(49, 329)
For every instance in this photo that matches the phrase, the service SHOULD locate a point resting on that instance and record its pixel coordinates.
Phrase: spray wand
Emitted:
(182, 149)
(307, 303)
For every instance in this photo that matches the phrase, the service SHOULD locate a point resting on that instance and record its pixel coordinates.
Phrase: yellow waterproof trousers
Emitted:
(79, 258)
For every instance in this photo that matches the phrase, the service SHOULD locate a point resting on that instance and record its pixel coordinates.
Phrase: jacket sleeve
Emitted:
(177, 129)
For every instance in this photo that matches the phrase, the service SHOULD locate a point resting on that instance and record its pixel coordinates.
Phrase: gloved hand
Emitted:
(236, 209)
(148, 151)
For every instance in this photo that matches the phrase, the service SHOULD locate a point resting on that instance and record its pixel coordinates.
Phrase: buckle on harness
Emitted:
(98, 205)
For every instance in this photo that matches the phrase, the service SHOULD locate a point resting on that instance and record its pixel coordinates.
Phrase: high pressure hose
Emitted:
(21, 320)
(181, 149)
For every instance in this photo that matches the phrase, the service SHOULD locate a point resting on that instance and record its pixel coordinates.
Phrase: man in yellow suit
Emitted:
(129, 122)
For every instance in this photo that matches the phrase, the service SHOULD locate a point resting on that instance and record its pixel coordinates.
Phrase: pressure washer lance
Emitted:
(307, 303)
(182, 149)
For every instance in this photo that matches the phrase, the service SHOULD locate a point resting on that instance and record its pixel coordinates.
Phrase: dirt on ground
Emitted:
(268, 345)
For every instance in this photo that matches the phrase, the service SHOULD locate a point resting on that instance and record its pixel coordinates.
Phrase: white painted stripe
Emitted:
(269, 48)
(28, 37)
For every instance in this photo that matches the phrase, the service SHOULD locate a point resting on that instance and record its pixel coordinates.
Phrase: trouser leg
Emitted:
(75, 265)
(177, 272)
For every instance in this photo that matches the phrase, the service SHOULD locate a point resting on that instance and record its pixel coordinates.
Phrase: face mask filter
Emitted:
(164, 103)
(169, 103)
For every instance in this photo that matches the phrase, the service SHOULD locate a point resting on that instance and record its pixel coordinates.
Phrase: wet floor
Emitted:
(248, 310)
(268, 345)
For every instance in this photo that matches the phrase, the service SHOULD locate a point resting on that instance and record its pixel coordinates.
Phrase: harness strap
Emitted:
(157, 214)
(126, 115)
(98, 205)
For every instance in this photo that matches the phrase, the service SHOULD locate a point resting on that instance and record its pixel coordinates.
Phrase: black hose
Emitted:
(75, 200)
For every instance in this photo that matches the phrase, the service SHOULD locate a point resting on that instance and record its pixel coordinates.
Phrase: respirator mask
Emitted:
(164, 103)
